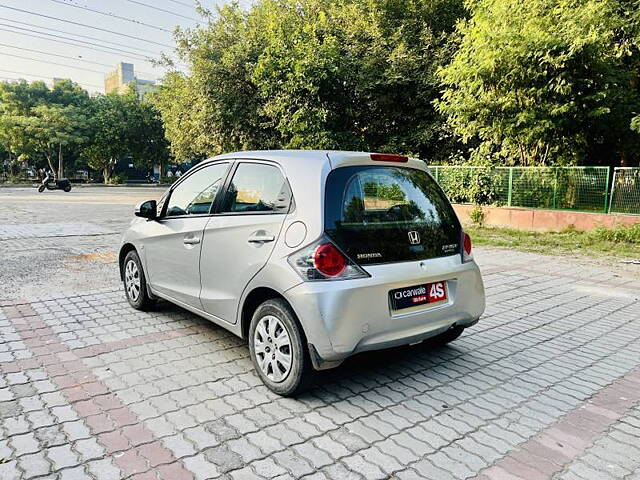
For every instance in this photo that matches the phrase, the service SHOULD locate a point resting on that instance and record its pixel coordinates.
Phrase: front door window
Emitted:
(195, 195)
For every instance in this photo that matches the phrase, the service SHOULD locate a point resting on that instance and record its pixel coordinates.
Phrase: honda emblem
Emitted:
(414, 238)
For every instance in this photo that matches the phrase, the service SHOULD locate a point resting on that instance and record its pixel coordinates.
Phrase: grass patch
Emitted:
(619, 242)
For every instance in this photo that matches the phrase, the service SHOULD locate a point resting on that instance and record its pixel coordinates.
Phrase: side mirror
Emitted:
(146, 210)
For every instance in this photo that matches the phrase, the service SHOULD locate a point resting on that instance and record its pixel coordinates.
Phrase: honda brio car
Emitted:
(312, 256)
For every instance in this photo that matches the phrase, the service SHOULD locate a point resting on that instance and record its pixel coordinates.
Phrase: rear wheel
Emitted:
(277, 348)
(448, 336)
(67, 188)
(135, 283)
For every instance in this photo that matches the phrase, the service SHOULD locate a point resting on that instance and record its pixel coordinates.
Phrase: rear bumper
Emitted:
(342, 318)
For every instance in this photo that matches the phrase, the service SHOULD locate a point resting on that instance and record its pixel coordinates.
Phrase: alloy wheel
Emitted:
(132, 280)
(272, 346)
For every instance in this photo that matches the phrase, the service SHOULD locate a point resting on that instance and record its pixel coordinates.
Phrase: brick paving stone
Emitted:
(76, 473)
(24, 443)
(317, 457)
(103, 470)
(245, 473)
(295, 464)
(224, 458)
(9, 469)
(268, 468)
(200, 437)
(88, 449)
(358, 463)
(338, 470)
(201, 467)
(385, 462)
(179, 445)
(62, 457)
(245, 449)
(35, 465)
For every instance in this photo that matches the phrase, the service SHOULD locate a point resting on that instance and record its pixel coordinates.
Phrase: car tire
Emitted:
(448, 336)
(135, 283)
(275, 332)
(67, 188)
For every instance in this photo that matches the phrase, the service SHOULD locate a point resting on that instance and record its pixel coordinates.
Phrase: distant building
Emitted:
(119, 80)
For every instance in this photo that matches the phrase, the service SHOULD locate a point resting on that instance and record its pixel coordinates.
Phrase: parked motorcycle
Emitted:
(151, 178)
(50, 182)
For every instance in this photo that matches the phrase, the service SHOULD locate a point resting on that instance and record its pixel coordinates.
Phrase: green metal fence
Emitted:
(566, 188)
(625, 191)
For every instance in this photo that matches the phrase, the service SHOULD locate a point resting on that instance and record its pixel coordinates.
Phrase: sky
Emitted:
(28, 50)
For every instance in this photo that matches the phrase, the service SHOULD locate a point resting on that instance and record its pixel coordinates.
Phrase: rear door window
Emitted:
(389, 214)
(257, 188)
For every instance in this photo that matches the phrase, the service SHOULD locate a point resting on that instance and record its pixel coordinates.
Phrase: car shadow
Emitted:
(368, 370)
(359, 372)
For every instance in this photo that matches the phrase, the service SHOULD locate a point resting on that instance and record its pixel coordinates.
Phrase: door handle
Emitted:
(191, 241)
(261, 237)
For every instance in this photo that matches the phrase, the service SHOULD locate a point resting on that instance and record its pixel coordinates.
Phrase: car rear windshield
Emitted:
(389, 214)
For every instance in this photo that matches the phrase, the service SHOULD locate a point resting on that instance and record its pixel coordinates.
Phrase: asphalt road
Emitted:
(57, 243)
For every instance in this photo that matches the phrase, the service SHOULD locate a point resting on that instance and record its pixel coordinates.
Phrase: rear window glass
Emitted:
(389, 214)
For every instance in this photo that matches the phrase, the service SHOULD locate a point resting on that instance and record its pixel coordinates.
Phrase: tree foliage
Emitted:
(38, 122)
(122, 125)
(545, 80)
(343, 74)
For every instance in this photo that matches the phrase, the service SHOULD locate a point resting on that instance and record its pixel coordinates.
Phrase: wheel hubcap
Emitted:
(132, 280)
(272, 346)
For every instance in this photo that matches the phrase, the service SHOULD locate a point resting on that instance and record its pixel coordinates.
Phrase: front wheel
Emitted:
(277, 348)
(135, 283)
(67, 188)
(41, 188)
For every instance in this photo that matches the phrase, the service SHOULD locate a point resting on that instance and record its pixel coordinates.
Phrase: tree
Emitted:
(357, 74)
(52, 128)
(344, 74)
(17, 99)
(217, 107)
(36, 120)
(544, 80)
(123, 125)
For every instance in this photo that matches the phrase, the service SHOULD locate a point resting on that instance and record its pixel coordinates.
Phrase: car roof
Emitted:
(334, 158)
(283, 157)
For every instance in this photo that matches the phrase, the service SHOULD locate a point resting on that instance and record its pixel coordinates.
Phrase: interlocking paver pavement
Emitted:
(546, 386)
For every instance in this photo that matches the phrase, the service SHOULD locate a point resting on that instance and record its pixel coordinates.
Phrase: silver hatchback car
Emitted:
(312, 256)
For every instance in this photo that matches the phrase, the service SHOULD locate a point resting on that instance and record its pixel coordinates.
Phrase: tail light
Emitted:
(328, 260)
(322, 260)
(467, 255)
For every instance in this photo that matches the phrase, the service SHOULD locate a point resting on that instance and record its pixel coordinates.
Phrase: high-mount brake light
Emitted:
(388, 157)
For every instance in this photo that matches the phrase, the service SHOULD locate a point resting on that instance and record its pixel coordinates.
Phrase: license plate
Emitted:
(418, 295)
